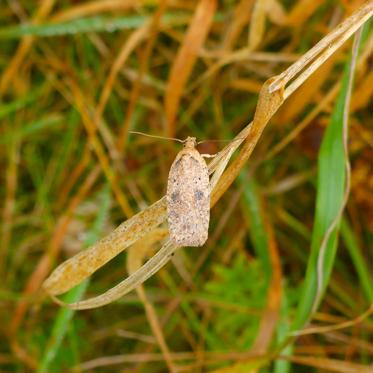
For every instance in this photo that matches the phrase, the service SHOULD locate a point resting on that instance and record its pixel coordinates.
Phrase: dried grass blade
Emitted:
(93, 7)
(304, 123)
(22, 50)
(136, 256)
(186, 58)
(326, 47)
(241, 16)
(82, 265)
(257, 24)
(332, 365)
(11, 181)
(276, 12)
(141, 275)
(268, 104)
(302, 10)
(95, 141)
(127, 48)
(307, 92)
(136, 87)
(342, 325)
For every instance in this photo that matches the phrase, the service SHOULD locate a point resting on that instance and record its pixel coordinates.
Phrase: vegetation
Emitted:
(284, 282)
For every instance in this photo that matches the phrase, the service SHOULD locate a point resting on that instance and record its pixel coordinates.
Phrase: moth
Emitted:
(188, 197)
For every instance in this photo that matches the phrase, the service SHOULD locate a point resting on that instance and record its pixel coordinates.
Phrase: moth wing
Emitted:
(188, 199)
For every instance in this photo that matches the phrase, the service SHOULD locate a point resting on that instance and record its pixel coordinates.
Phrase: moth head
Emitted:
(190, 142)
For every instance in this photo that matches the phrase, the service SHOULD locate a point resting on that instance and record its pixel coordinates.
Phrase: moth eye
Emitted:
(198, 194)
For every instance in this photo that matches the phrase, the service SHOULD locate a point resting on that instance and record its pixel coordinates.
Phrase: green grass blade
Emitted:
(50, 121)
(90, 24)
(258, 234)
(329, 201)
(83, 25)
(75, 26)
(283, 328)
(193, 321)
(365, 276)
(64, 315)
(13, 106)
(67, 147)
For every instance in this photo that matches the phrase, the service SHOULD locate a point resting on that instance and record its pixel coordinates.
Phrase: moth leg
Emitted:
(208, 155)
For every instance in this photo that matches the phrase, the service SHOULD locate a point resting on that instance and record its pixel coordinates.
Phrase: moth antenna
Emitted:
(156, 137)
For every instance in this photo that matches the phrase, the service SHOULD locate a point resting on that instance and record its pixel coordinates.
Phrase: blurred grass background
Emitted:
(75, 77)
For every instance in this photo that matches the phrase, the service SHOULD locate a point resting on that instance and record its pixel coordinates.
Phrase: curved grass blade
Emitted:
(332, 185)
(154, 264)
(76, 269)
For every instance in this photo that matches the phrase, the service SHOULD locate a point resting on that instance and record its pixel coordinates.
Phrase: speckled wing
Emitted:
(188, 199)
